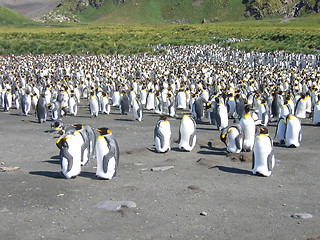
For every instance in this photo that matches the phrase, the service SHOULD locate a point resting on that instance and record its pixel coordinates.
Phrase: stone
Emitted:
(115, 205)
(301, 215)
(203, 213)
(9, 169)
(158, 169)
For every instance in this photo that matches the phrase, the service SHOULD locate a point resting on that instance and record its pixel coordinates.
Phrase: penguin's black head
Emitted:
(62, 143)
(264, 130)
(103, 131)
(77, 126)
(247, 108)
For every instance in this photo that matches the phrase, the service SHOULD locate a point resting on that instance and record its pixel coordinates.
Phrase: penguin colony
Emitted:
(215, 84)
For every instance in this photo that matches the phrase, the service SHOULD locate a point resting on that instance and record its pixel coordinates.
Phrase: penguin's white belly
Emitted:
(262, 149)
(102, 149)
(293, 136)
(232, 146)
(185, 134)
(166, 140)
(75, 152)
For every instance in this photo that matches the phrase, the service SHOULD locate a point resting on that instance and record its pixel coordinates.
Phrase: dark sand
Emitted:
(36, 203)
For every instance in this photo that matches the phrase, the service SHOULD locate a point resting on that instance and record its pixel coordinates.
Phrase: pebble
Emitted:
(115, 205)
(158, 169)
(301, 215)
(203, 213)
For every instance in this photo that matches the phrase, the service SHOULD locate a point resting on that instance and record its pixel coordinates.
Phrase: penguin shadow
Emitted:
(232, 170)
(53, 160)
(91, 175)
(210, 150)
(47, 174)
(15, 114)
(124, 120)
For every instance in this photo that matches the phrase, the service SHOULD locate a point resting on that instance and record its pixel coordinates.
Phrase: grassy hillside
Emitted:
(169, 11)
(300, 36)
(11, 17)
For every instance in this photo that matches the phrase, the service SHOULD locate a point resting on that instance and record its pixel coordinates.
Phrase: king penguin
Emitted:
(187, 133)
(263, 159)
(316, 112)
(249, 129)
(93, 105)
(232, 137)
(107, 150)
(124, 103)
(281, 130)
(70, 156)
(41, 109)
(162, 135)
(81, 133)
(137, 109)
(293, 131)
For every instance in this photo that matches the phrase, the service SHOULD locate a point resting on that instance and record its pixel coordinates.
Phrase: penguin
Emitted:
(316, 113)
(90, 135)
(41, 109)
(187, 133)
(263, 160)
(198, 109)
(275, 106)
(181, 99)
(150, 104)
(212, 112)
(158, 104)
(57, 125)
(25, 104)
(232, 137)
(81, 133)
(281, 130)
(116, 99)
(171, 105)
(222, 115)
(162, 135)
(108, 154)
(7, 100)
(93, 105)
(293, 131)
(70, 156)
(124, 103)
(73, 105)
(137, 109)
(231, 106)
(301, 107)
(248, 125)
(54, 110)
(104, 103)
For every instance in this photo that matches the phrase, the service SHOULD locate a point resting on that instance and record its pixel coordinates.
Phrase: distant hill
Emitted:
(161, 11)
(31, 8)
(11, 17)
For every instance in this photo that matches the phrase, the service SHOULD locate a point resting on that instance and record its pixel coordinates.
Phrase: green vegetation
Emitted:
(299, 35)
(165, 11)
(10, 17)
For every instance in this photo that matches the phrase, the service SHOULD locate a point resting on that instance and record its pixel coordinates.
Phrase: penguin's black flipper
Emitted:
(106, 159)
(269, 160)
(239, 139)
(65, 153)
(191, 138)
(252, 160)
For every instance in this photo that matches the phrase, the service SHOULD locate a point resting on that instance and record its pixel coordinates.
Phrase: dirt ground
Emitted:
(205, 196)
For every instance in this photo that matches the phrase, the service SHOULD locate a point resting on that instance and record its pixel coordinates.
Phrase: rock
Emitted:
(115, 205)
(203, 213)
(9, 169)
(301, 215)
(158, 169)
